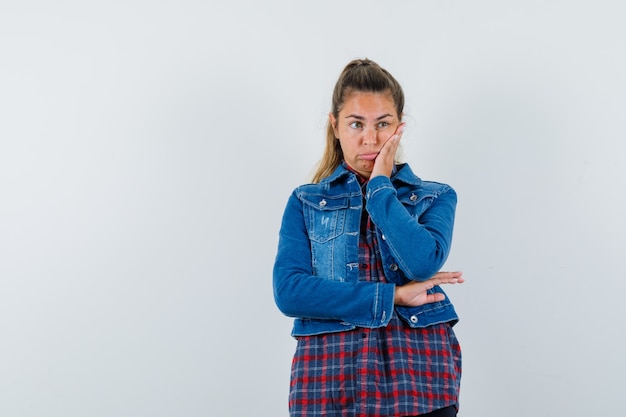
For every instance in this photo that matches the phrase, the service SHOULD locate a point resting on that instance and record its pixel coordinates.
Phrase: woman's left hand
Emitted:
(415, 293)
(384, 163)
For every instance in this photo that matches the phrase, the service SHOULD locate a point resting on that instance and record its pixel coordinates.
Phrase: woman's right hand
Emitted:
(415, 294)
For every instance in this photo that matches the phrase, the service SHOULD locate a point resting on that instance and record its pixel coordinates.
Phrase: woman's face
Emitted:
(365, 122)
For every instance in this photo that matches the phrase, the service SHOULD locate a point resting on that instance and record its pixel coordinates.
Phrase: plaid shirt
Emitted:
(382, 372)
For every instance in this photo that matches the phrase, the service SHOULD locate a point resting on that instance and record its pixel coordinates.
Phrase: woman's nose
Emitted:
(370, 137)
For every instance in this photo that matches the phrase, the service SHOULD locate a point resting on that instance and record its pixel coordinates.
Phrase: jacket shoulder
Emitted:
(406, 178)
(304, 190)
(436, 187)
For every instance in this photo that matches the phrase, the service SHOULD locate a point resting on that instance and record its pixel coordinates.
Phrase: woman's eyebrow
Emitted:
(356, 116)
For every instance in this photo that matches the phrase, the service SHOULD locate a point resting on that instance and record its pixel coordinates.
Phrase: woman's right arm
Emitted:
(299, 293)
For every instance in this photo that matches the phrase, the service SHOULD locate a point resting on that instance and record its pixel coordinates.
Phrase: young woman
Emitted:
(357, 263)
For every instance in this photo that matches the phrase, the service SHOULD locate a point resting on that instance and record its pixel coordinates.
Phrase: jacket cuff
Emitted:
(376, 184)
(383, 310)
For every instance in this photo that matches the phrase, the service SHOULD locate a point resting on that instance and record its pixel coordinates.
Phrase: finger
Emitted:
(439, 280)
(400, 129)
(449, 281)
(447, 274)
(395, 136)
(390, 147)
(453, 281)
(434, 298)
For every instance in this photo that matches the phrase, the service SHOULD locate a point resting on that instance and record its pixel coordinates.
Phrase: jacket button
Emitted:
(322, 203)
(384, 237)
(413, 197)
(393, 267)
(413, 319)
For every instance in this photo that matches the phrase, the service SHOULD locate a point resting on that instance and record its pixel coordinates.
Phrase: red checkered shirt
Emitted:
(383, 372)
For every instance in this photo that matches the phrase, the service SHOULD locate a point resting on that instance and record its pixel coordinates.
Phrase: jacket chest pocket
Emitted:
(325, 217)
(417, 202)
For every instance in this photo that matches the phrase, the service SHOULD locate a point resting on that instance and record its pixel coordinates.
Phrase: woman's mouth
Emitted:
(369, 156)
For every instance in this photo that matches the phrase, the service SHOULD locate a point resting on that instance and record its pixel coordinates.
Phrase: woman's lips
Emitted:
(369, 156)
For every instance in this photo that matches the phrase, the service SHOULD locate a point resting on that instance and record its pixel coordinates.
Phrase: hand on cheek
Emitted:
(383, 165)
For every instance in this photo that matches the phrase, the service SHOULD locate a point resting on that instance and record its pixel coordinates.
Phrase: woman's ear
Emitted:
(333, 123)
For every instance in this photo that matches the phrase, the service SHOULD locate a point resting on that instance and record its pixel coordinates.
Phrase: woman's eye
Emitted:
(356, 125)
(383, 124)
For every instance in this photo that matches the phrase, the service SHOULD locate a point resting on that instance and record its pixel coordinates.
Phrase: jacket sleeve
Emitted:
(420, 245)
(299, 293)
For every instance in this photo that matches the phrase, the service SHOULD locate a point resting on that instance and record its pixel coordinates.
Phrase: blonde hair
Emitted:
(362, 75)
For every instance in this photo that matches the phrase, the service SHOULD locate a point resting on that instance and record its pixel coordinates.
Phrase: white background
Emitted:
(148, 149)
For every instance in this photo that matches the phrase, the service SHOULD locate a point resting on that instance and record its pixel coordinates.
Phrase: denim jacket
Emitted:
(316, 271)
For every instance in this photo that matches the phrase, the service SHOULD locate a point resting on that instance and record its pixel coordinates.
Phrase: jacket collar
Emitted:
(402, 173)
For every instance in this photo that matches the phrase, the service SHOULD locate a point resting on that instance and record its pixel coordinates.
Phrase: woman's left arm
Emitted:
(420, 245)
